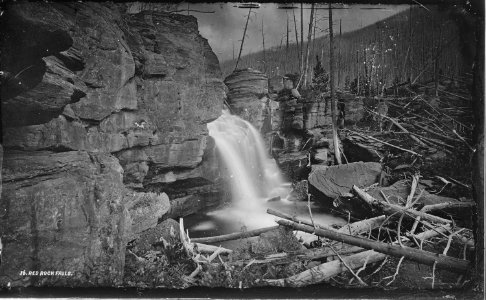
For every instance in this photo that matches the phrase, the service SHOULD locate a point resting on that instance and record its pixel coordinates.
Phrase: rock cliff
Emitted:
(104, 114)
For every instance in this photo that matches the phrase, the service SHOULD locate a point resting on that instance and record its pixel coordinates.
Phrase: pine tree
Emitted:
(320, 80)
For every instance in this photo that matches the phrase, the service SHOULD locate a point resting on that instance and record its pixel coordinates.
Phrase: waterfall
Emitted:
(254, 178)
(253, 175)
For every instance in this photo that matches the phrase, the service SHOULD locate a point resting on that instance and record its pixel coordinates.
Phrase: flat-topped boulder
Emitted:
(326, 183)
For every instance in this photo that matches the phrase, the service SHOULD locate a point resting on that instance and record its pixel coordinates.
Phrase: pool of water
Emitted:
(236, 219)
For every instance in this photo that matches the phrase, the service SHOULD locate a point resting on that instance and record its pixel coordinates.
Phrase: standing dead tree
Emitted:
(333, 96)
(243, 39)
(309, 37)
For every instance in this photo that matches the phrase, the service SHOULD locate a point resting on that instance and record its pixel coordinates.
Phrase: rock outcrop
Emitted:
(97, 99)
(248, 95)
(63, 212)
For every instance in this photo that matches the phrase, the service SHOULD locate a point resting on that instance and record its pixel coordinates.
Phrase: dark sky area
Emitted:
(224, 28)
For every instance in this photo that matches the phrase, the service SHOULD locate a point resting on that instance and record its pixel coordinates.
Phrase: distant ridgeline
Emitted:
(435, 39)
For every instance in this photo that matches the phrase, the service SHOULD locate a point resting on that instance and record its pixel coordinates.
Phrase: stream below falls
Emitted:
(254, 178)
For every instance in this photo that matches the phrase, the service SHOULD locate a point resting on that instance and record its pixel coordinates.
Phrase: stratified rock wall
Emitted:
(248, 95)
(96, 101)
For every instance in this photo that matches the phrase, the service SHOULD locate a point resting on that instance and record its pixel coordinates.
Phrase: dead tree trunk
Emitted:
(264, 56)
(287, 46)
(243, 39)
(309, 37)
(339, 57)
(296, 38)
(478, 157)
(335, 138)
(301, 39)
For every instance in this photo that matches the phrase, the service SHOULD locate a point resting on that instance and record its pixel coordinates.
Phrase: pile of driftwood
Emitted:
(432, 123)
(354, 246)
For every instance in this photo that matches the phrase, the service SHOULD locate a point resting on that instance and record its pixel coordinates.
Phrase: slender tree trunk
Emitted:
(313, 43)
(339, 56)
(309, 37)
(410, 61)
(296, 38)
(423, 39)
(264, 55)
(436, 63)
(333, 97)
(287, 46)
(358, 63)
(243, 39)
(301, 38)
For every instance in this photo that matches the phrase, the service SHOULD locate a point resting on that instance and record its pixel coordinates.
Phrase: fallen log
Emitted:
(353, 228)
(362, 226)
(390, 209)
(305, 255)
(295, 219)
(421, 256)
(327, 270)
(435, 133)
(233, 236)
(437, 142)
(447, 205)
(203, 248)
(395, 122)
(443, 230)
(385, 143)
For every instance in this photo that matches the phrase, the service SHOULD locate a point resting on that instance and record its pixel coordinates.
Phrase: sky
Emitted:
(224, 28)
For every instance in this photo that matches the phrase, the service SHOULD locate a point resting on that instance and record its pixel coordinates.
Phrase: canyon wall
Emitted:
(104, 115)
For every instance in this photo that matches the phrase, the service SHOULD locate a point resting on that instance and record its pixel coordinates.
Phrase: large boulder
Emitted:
(327, 183)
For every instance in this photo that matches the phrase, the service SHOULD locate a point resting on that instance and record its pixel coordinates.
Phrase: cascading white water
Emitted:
(254, 176)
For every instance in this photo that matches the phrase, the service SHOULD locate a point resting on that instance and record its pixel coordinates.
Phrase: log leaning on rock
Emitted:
(424, 257)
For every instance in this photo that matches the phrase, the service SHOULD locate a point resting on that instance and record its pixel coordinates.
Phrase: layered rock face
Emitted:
(96, 101)
(248, 95)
